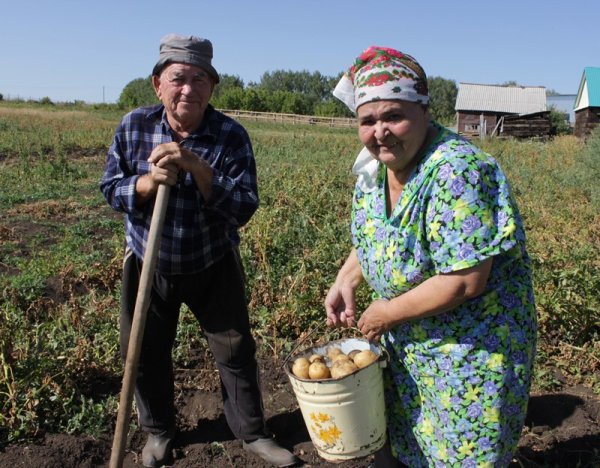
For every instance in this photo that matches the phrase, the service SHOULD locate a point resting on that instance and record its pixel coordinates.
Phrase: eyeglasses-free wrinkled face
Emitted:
(393, 131)
(185, 91)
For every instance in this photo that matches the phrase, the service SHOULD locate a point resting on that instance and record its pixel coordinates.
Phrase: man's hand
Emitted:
(167, 160)
(168, 154)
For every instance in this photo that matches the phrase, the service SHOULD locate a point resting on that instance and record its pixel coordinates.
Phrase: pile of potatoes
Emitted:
(315, 367)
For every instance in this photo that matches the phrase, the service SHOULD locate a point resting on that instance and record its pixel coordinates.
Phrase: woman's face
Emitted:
(185, 91)
(393, 131)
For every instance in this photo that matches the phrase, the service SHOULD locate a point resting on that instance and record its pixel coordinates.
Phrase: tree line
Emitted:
(289, 92)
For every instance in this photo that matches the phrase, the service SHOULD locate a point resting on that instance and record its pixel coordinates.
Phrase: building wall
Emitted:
(469, 123)
(527, 126)
(586, 120)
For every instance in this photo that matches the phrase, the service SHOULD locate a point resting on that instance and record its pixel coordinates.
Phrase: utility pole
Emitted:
(103, 101)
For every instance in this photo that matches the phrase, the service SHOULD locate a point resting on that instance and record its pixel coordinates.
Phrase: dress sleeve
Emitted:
(471, 215)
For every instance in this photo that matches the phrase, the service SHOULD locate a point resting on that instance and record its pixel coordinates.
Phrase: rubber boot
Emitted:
(157, 451)
(271, 452)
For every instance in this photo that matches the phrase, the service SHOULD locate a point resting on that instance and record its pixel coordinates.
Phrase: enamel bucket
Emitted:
(345, 417)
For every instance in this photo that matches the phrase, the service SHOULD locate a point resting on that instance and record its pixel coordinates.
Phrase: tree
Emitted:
(254, 100)
(228, 98)
(138, 92)
(314, 88)
(227, 83)
(558, 122)
(332, 108)
(442, 95)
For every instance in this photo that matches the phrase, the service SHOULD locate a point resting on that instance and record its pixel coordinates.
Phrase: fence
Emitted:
(294, 119)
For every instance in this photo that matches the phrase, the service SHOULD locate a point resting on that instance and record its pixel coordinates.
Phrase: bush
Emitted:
(138, 92)
(558, 122)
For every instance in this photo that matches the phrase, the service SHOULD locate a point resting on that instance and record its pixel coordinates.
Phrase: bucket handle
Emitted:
(300, 343)
(383, 357)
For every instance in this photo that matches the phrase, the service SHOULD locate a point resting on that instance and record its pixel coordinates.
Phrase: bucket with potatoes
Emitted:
(339, 388)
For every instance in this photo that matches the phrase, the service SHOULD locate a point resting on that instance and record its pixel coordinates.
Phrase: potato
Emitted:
(318, 370)
(316, 357)
(342, 368)
(364, 358)
(342, 356)
(353, 353)
(332, 352)
(300, 368)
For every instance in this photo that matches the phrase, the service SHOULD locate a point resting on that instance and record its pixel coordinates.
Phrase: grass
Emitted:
(61, 249)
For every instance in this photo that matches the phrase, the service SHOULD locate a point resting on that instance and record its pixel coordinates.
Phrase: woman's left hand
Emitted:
(376, 320)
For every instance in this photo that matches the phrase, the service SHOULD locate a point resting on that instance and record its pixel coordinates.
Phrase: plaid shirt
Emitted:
(197, 232)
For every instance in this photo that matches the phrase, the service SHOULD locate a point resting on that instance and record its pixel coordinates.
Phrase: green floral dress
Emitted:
(458, 383)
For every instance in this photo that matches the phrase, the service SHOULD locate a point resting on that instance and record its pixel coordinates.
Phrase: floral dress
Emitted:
(458, 383)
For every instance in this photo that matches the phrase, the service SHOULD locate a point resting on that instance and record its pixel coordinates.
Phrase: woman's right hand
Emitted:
(340, 306)
(340, 302)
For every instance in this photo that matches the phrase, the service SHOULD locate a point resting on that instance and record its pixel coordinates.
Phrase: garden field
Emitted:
(60, 259)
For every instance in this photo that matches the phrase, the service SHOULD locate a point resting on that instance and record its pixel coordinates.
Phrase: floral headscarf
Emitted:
(382, 73)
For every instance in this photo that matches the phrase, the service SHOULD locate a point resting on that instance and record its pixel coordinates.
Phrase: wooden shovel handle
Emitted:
(137, 327)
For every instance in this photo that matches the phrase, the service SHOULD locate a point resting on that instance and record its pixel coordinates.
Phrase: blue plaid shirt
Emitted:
(197, 232)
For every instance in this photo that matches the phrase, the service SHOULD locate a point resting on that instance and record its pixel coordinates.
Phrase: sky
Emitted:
(87, 50)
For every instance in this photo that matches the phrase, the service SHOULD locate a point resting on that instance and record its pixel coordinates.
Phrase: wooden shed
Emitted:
(587, 103)
(488, 110)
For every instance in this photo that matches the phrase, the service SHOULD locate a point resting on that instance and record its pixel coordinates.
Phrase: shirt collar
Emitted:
(208, 127)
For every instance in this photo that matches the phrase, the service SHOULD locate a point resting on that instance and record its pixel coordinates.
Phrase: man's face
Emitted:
(185, 91)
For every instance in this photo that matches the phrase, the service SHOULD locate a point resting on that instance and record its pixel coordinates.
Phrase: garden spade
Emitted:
(137, 327)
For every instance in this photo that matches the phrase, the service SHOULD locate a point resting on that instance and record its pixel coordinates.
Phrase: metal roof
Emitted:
(589, 89)
(504, 99)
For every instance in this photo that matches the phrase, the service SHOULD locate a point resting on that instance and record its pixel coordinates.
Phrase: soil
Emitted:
(562, 429)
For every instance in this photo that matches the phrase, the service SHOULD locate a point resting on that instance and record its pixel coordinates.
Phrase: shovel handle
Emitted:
(137, 327)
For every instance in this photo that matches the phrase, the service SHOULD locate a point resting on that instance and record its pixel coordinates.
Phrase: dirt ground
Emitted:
(562, 429)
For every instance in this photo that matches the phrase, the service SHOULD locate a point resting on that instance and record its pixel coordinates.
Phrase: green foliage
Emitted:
(585, 175)
(312, 85)
(558, 122)
(61, 256)
(231, 98)
(279, 91)
(226, 84)
(332, 108)
(442, 95)
(138, 92)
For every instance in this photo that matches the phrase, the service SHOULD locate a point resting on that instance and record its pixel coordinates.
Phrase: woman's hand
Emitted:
(376, 320)
(340, 306)
(436, 295)
(340, 303)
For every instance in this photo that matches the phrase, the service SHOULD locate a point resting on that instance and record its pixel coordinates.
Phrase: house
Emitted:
(587, 103)
(488, 110)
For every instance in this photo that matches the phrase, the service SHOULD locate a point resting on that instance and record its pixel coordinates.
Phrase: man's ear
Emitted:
(156, 85)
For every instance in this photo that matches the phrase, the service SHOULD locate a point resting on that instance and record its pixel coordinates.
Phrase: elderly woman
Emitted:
(438, 237)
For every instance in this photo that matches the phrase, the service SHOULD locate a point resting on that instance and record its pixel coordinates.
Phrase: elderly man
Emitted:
(207, 160)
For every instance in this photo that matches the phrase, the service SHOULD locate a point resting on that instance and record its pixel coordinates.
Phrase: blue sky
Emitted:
(89, 50)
